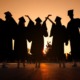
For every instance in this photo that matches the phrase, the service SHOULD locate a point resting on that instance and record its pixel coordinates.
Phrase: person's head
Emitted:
(38, 20)
(8, 15)
(70, 14)
(21, 20)
(58, 20)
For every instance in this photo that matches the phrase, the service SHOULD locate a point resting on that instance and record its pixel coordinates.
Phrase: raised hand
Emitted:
(28, 17)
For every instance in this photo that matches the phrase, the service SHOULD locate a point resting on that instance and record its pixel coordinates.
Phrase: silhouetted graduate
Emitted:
(29, 33)
(9, 30)
(39, 31)
(74, 36)
(20, 42)
(58, 32)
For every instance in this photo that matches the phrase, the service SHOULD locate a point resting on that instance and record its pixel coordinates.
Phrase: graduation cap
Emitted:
(70, 12)
(38, 20)
(8, 13)
(58, 18)
(22, 19)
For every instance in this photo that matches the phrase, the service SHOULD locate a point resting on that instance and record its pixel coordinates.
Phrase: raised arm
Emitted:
(28, 17)
(31, 23)
(51, 20)
(46, 18)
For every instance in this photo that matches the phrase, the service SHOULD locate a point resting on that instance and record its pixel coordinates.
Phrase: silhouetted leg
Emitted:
(24, 63)
(39, 61)
(74, 64)
(64, 64)
(36, 64)
(18, 64)
(60, 64)
(39, 64)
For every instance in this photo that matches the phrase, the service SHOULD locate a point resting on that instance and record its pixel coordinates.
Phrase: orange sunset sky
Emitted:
(41, 8)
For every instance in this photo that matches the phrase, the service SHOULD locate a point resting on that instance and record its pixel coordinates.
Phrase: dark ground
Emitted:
(47, 71)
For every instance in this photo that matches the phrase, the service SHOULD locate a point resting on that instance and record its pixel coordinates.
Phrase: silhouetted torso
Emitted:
(21, 42)
(3, 50)
(74, 37)
(38, 40)
(59, 37)
(10, 25)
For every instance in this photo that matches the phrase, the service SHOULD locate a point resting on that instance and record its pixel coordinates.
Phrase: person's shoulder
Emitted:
(69, 21)
(78, 19)
(63, 25)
